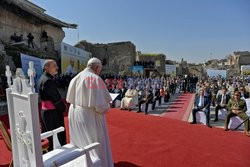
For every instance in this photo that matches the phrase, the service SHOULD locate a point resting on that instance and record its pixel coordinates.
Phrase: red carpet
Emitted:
(143, 140)
(158, 142)
(180, 108)
(5, 154)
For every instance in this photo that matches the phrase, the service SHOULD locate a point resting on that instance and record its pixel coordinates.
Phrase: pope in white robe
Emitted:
(90, 101)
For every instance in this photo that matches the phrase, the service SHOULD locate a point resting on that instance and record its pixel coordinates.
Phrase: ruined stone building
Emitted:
(117, 57)
(219, 64)
(181, 68)
(157, 60)
(239, 58)
(23, 17)
(235, 61)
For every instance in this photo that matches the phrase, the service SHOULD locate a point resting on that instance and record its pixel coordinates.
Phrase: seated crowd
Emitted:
(135, 91)
(228, 95)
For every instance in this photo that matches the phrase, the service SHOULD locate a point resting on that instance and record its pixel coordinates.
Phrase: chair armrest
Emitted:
(87, 150)
(58, 130)
(46, 135)
(69, 157)
(53, 133)
(91, 146)
(50, 133)
(75, 154)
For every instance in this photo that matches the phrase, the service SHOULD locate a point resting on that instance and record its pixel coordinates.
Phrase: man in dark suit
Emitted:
(52, 104)
(124, 90)
(214, 90)
(221, 101)
(208, 92)
(147, 98)
(121, 91)
(156, 93)
(116, 90)
(201, 103)
(243, 92)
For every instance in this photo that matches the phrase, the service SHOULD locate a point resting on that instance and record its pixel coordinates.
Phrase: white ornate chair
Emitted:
(143, 107)
(25, 132)
(248, 106)
(117, 103)
(162, 100)
(222, 113)
(201, 117)
(235, 121)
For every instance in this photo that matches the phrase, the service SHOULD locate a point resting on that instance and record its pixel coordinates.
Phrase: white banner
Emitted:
(170, 69)
(73, 60)
(38, 65)
(215, 73)
(245, 70)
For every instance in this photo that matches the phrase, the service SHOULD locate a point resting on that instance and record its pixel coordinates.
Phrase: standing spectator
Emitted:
(167, 94)
(45, 35)
(30, 40)
(214, 89)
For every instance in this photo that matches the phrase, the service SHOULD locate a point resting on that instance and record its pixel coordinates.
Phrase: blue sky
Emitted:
(196, 30)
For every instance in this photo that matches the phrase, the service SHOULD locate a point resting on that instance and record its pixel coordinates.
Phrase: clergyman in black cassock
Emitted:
(52, 104)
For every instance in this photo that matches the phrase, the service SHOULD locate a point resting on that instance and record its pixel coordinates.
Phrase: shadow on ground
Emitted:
(125, 164)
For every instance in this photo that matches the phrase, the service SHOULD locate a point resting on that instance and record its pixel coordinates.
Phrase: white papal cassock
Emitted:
(89, 100)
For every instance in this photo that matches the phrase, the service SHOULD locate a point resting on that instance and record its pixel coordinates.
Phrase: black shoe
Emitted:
(138, 111)
(129, 109)
(216, 119)
(209, 126)
(192, 122)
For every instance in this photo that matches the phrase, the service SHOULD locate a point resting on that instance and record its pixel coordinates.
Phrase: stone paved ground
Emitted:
(162, 108)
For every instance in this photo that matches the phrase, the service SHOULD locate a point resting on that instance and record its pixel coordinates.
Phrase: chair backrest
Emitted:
(24, 121)
(5, 134)
(248, 106)
(248, 103)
